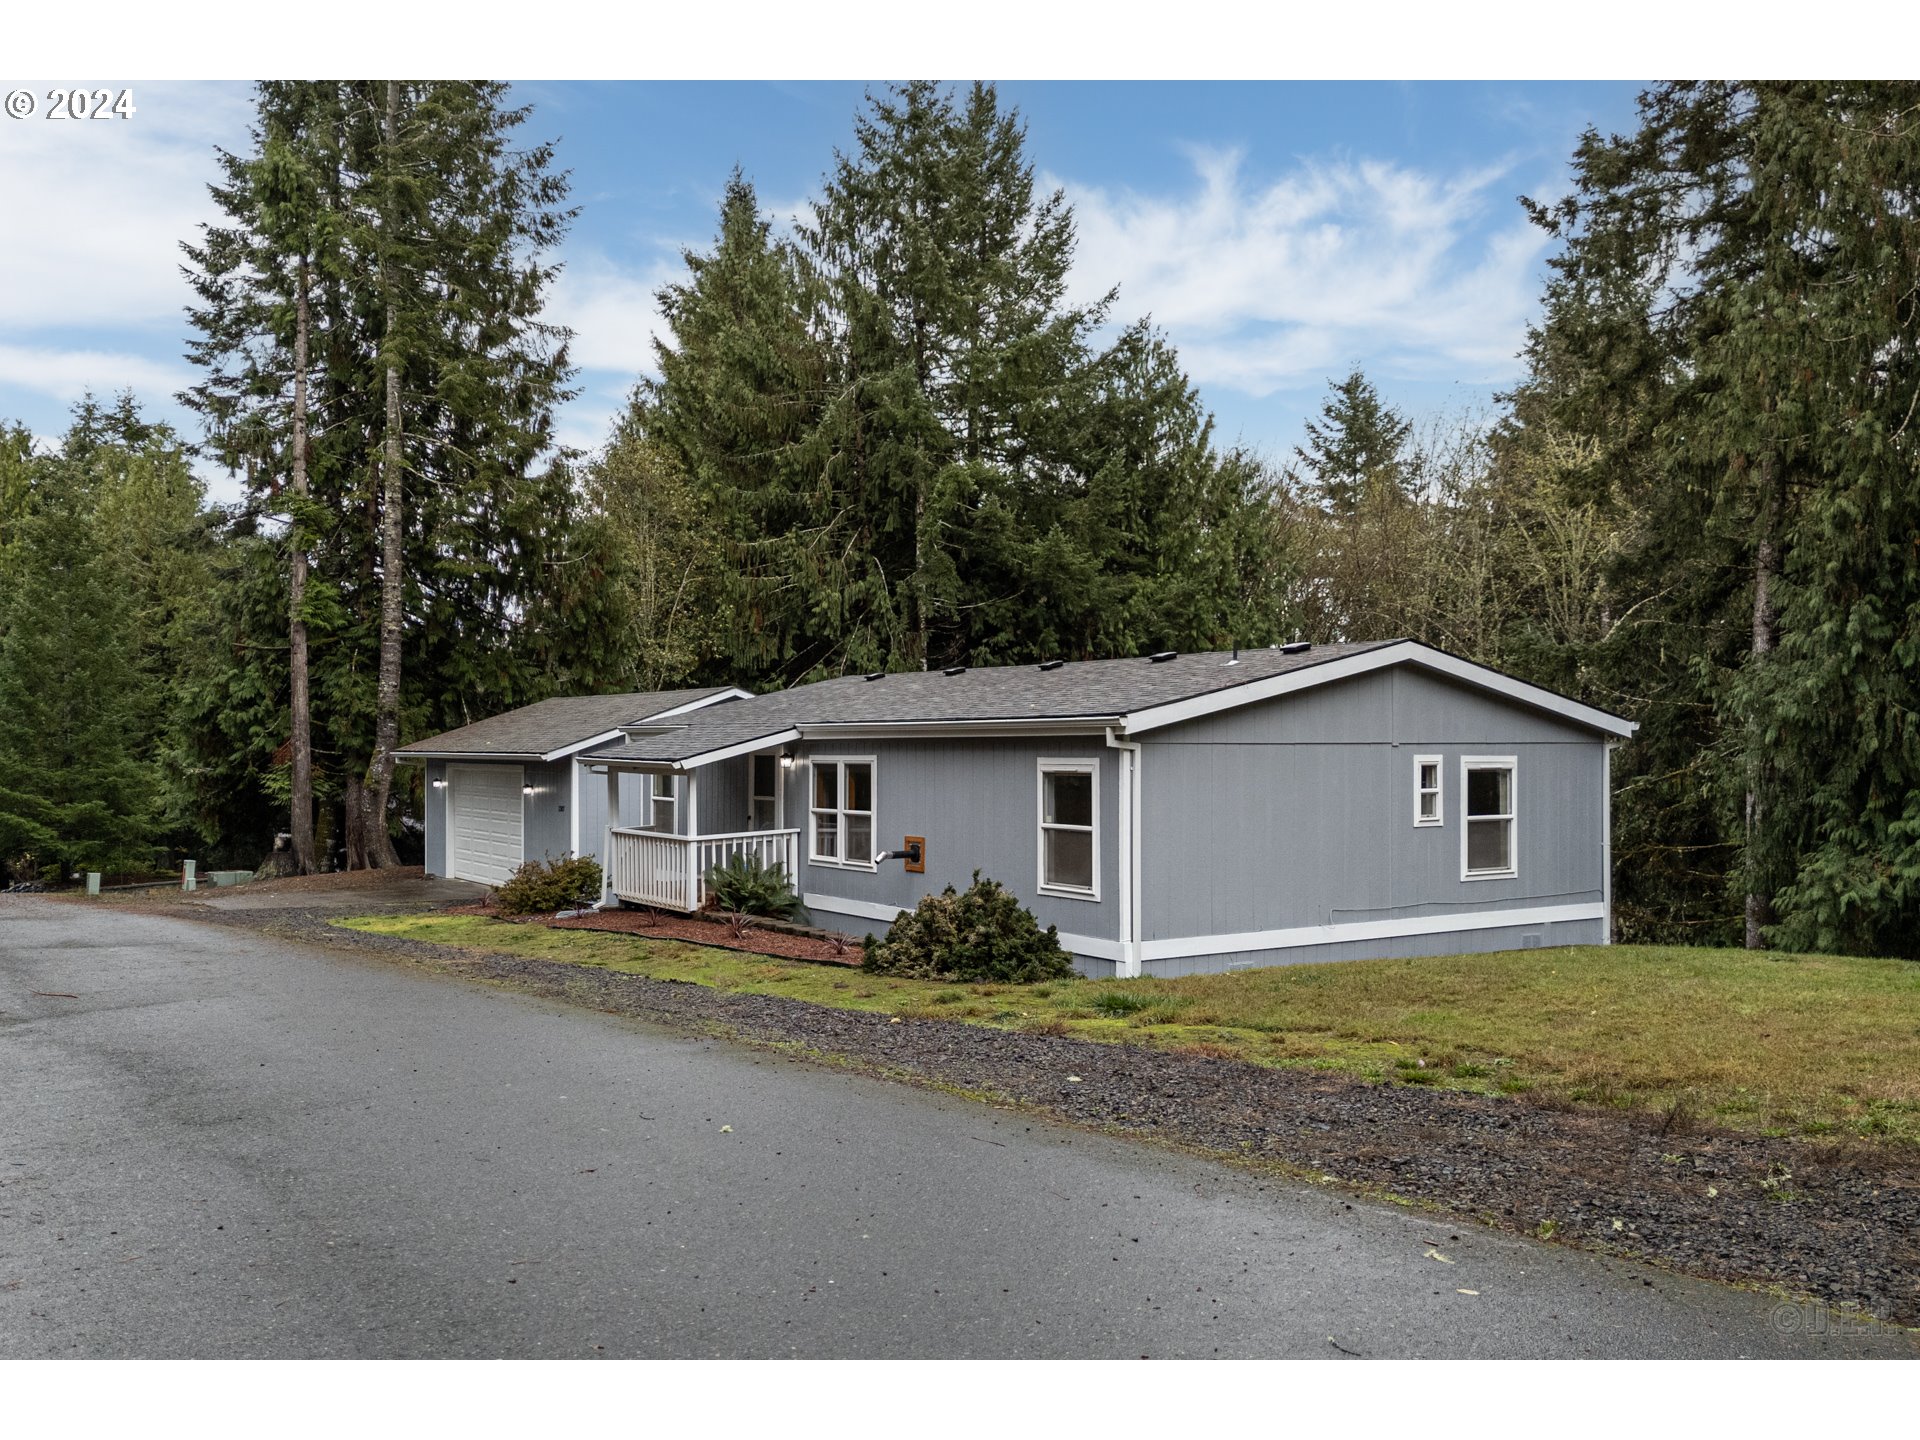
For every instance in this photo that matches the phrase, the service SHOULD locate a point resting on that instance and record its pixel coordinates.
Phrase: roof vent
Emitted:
(954, 670)
(1297, 647)
(1051, 664)
(1160, 657)
(874, 675)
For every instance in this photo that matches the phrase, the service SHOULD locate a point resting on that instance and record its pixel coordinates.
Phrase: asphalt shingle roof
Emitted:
(1078, 689)
(549, 725)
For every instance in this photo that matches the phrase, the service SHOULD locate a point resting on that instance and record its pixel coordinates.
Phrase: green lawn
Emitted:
(1805, 1044)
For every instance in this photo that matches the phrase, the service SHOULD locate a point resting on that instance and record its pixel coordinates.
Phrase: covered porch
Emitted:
(664, 834)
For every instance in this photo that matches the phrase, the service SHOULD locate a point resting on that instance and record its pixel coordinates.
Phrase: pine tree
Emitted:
(74, 794)
(1738, 286)
(440, 533)
(1356, 448)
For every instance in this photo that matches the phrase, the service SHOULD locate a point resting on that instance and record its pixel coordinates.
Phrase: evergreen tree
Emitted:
(1356, 448)
(444, 575)
(74, 793)
(1738, 284)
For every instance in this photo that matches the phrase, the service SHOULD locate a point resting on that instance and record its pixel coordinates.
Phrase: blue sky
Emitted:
(1280, 232)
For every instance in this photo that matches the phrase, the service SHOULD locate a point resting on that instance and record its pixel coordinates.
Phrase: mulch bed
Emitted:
(1839, 1221)
(695, 929)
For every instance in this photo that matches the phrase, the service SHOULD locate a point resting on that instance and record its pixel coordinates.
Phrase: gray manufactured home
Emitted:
(1170, 814)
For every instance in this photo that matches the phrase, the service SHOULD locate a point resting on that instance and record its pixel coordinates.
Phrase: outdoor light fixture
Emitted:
(526, 789)
(439, 784)
(911, 852)
(786, 759)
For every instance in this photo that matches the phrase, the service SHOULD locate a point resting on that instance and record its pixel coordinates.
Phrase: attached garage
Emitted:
(508, 789)
(484, 822)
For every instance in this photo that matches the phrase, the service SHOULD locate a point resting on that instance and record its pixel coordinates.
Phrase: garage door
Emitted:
(483, 822)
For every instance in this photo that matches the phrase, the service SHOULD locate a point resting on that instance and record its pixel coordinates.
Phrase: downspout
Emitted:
(1127, 967)
(1606, 843)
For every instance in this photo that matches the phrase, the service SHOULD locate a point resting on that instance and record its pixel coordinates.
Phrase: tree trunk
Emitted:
(1766, 563)
(378, 844)
(301, 819)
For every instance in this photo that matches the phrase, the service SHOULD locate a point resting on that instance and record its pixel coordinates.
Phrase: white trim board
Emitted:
(1367, 930)
(860, 909)
(1347, 666)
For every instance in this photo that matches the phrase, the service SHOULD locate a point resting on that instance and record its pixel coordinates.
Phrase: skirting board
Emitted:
(1346, 931)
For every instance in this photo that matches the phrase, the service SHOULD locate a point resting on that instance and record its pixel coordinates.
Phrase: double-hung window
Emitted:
(1426, 791)
(842, 826)
(1488, 837)
(664, 805)
(1070, 828)
(763, 806)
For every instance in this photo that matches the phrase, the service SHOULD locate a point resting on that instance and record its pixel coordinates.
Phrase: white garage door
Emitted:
(483, 822)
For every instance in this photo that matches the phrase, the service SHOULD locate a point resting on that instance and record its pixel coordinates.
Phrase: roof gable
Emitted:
(548, 729)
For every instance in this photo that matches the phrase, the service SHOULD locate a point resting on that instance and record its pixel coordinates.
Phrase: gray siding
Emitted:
(1299, 812)
(977, 804)
(435, 819)
(723, 797)
(593, 808)
(546, 826)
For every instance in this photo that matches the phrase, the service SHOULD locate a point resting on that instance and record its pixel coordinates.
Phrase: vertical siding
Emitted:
(546, 826)
(1299, 812)
(976, 803)
(593, 809)
(435, 819)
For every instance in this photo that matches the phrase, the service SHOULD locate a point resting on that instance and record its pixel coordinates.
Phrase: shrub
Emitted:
(542, 886)
(747, 887)
(983, 935)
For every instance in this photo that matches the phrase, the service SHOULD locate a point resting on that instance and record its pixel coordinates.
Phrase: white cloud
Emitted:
(1268, 287)
(97, 208)
(68, 374)
(611, 310)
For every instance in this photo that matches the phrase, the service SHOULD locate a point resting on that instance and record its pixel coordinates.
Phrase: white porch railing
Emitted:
(669, 871)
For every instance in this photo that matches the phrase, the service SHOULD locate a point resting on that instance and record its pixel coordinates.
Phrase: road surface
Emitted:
(222, 1145)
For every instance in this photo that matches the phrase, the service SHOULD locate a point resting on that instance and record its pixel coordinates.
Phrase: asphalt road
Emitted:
(222, 1146)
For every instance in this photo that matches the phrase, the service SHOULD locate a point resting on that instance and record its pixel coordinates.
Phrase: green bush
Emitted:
(985, 935)
(543, 886)
(747, 887)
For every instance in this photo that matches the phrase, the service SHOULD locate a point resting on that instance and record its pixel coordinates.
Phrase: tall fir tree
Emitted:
(1356, 449)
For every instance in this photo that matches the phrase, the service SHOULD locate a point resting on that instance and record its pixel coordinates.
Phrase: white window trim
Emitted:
(655, 800)
(840, 797)
(1439, 791)
(777, 797)
(1086, 765)
(1511, 764)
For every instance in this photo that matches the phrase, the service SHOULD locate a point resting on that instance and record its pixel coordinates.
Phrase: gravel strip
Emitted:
(1838, 1221)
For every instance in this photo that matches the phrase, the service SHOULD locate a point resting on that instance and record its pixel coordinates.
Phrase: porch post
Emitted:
(693, 840)
(608, 900)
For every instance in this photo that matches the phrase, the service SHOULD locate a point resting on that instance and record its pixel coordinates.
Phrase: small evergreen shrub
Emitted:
(747, 887)
(542, 886)
(984, 935)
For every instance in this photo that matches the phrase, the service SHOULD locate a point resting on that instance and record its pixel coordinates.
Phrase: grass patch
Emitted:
(1763, 1042)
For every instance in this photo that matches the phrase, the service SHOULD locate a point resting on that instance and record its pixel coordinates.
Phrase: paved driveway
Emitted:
(223, 1146)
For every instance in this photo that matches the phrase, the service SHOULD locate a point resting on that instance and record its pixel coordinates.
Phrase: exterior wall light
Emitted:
(439, 784)
(786, 759)
(526, 789)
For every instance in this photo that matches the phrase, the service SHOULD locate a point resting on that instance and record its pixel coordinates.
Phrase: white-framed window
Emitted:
(663, 803)
(1489, 831)
(1428, 808)
(1070, 828)
(763, 802)
(841, 809)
